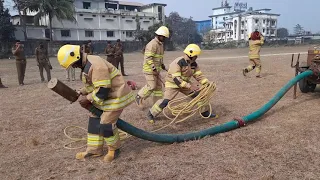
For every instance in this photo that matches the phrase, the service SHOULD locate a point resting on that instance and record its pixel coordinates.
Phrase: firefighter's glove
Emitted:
(163, 67)
(155, 72)
(84, 102)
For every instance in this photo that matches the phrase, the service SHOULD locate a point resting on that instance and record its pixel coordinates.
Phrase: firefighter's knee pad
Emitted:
(106, 130)
(94, 125)
(164, 103)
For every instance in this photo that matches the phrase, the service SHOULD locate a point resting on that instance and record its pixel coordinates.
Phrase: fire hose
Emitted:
(228, 126)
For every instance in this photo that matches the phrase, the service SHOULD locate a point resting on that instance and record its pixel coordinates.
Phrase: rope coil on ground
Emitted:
(178, 107)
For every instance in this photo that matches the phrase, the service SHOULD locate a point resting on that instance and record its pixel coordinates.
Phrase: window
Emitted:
(94, 15)
(123, 17)
(65, 33)
(272, 31)
(114, 16)
(150, 18)
(110, 34)
(103, 16)
(133, 17)
(263, 30)
(86, 5)
(80, 14)
(88, 34)
(242, 31)
(264, 21)
(160, 14)
(273, 23)
(257, 20)
(129, 34)
(88, 19)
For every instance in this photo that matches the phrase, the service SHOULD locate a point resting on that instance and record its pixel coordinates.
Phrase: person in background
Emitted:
(109, 51)
(88, 48)
(43, 61)
(21, 62)
(70, 72)
(256, 40)
(119, 59)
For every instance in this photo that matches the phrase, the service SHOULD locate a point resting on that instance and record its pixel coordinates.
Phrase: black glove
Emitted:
(163, 67)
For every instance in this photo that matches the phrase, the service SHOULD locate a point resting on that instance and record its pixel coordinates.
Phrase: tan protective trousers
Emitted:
(255, 64)
(153, 87)
(169, 94)
(95, 142)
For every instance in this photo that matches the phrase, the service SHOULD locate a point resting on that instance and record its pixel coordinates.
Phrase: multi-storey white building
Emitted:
(233, 25)
(100, 20)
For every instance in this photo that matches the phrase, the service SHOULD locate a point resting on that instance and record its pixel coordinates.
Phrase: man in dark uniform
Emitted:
(119, 56)
(21, 63)
(43, 61)
(109, 51)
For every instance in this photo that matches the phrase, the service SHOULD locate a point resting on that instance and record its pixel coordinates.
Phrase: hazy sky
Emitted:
(304, 12)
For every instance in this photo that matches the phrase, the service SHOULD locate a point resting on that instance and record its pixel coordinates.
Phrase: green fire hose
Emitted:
(231, 125)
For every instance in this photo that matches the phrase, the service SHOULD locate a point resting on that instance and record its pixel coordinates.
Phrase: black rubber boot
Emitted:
(208, 115)
(150, 117)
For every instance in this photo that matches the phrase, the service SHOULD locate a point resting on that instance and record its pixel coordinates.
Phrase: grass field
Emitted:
(283, 144)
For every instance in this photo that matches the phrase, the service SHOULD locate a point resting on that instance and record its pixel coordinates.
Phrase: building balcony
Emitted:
(117, 12)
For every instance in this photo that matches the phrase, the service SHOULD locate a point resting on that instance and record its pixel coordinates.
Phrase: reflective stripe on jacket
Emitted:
(98, 73)
(180, 72)
(153, 56)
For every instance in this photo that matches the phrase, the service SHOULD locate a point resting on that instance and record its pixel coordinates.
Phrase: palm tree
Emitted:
(61, 9)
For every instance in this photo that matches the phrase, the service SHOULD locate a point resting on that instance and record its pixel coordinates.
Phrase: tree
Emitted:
(282, 32)
(298, 30)
(6, 28)
(22, 6)
(182, 30)
(61, 9)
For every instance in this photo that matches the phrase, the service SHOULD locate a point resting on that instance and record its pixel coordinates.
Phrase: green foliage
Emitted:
(61, 9)
(182, 31)
(282, 32)
(298, 30)
(6, 27)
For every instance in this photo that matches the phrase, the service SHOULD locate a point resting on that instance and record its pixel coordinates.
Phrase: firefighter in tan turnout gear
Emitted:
(153, 63)
(106, 89)
(256, 40)
(181, 70)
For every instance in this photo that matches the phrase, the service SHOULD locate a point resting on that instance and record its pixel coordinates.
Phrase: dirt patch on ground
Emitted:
(284, 144)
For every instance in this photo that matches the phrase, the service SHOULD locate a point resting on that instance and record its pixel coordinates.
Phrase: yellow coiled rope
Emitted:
(177, 107)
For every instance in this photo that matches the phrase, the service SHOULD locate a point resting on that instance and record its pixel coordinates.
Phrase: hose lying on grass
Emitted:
(228, 126)
(178, 107)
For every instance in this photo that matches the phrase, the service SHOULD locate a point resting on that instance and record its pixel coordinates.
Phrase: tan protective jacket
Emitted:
(100, 73)
(18, 53)
(41, 54)
(180, 72)
(153, 56)
(255, 47)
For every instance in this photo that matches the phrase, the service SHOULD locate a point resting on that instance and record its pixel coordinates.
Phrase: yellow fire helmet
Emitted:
(163, 31)
(68, 54)
(192, 50)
